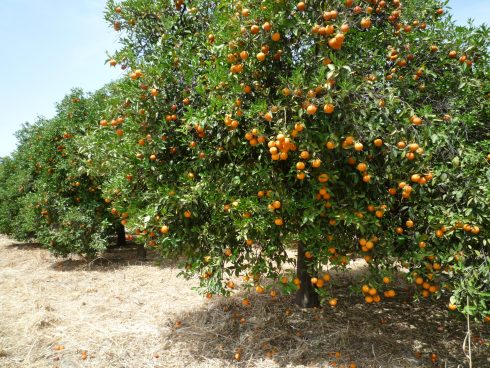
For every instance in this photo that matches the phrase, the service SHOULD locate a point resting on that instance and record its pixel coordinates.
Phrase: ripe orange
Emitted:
(311, 109)
(366, 23)
(276, 37)
(254, 29)
(279, 221)
(361, 167)
(329, 108)
(261, 56)
(301, 6)
(323, 178)
(305, 155)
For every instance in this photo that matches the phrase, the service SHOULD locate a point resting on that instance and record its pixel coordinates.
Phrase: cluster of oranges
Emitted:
(368, 245)
(320, 282)
(115, 123)
(323, 194)
(426, 286)
(253, 137)
(370, 294)
(470, 229)
(280, 147)
(463, 59)
(231, 123)
(413, 148)
(137, 74)
(273, 207)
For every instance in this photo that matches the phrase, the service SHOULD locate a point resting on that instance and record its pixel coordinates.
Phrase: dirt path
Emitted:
(124, 313)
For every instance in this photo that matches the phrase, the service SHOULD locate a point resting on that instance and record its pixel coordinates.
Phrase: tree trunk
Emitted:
(306, 296)
(121, 236)
(141, 252)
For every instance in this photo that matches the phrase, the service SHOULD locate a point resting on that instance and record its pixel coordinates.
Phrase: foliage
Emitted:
(47, 194)
(354, 129)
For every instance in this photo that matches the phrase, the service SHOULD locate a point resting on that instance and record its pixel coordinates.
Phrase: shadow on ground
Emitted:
(112, 259)
(24, 246)
(394, 333)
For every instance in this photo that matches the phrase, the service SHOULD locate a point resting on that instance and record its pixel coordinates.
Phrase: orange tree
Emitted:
(48, 194)
(18, 218)
(347, 128)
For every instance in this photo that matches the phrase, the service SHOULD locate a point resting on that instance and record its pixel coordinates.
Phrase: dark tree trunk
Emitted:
(121, 236)
(141, 252)
(306, 296)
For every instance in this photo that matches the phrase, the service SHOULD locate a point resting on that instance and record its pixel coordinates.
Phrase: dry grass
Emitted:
(125, 313)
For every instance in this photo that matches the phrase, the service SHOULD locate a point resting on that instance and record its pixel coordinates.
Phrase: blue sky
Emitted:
(51, 46)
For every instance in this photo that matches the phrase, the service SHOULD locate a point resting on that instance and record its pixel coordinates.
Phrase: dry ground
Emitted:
(125, 313)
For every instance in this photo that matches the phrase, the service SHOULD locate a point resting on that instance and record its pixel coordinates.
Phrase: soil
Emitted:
(118, 311)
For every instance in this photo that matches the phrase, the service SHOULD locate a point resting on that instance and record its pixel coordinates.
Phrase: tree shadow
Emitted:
(112, 259)
(24, 246)
(398, 332)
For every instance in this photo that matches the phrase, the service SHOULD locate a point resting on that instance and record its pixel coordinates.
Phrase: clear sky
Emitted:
(51, 46)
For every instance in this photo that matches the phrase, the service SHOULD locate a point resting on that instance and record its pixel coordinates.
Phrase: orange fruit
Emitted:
(276, 37)
(361, 167)
(366, 23)
(323, 178)
(260, 56)
(254, 29)
(311, 109)
(316, 163)
(329, 108)
(279, 221)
